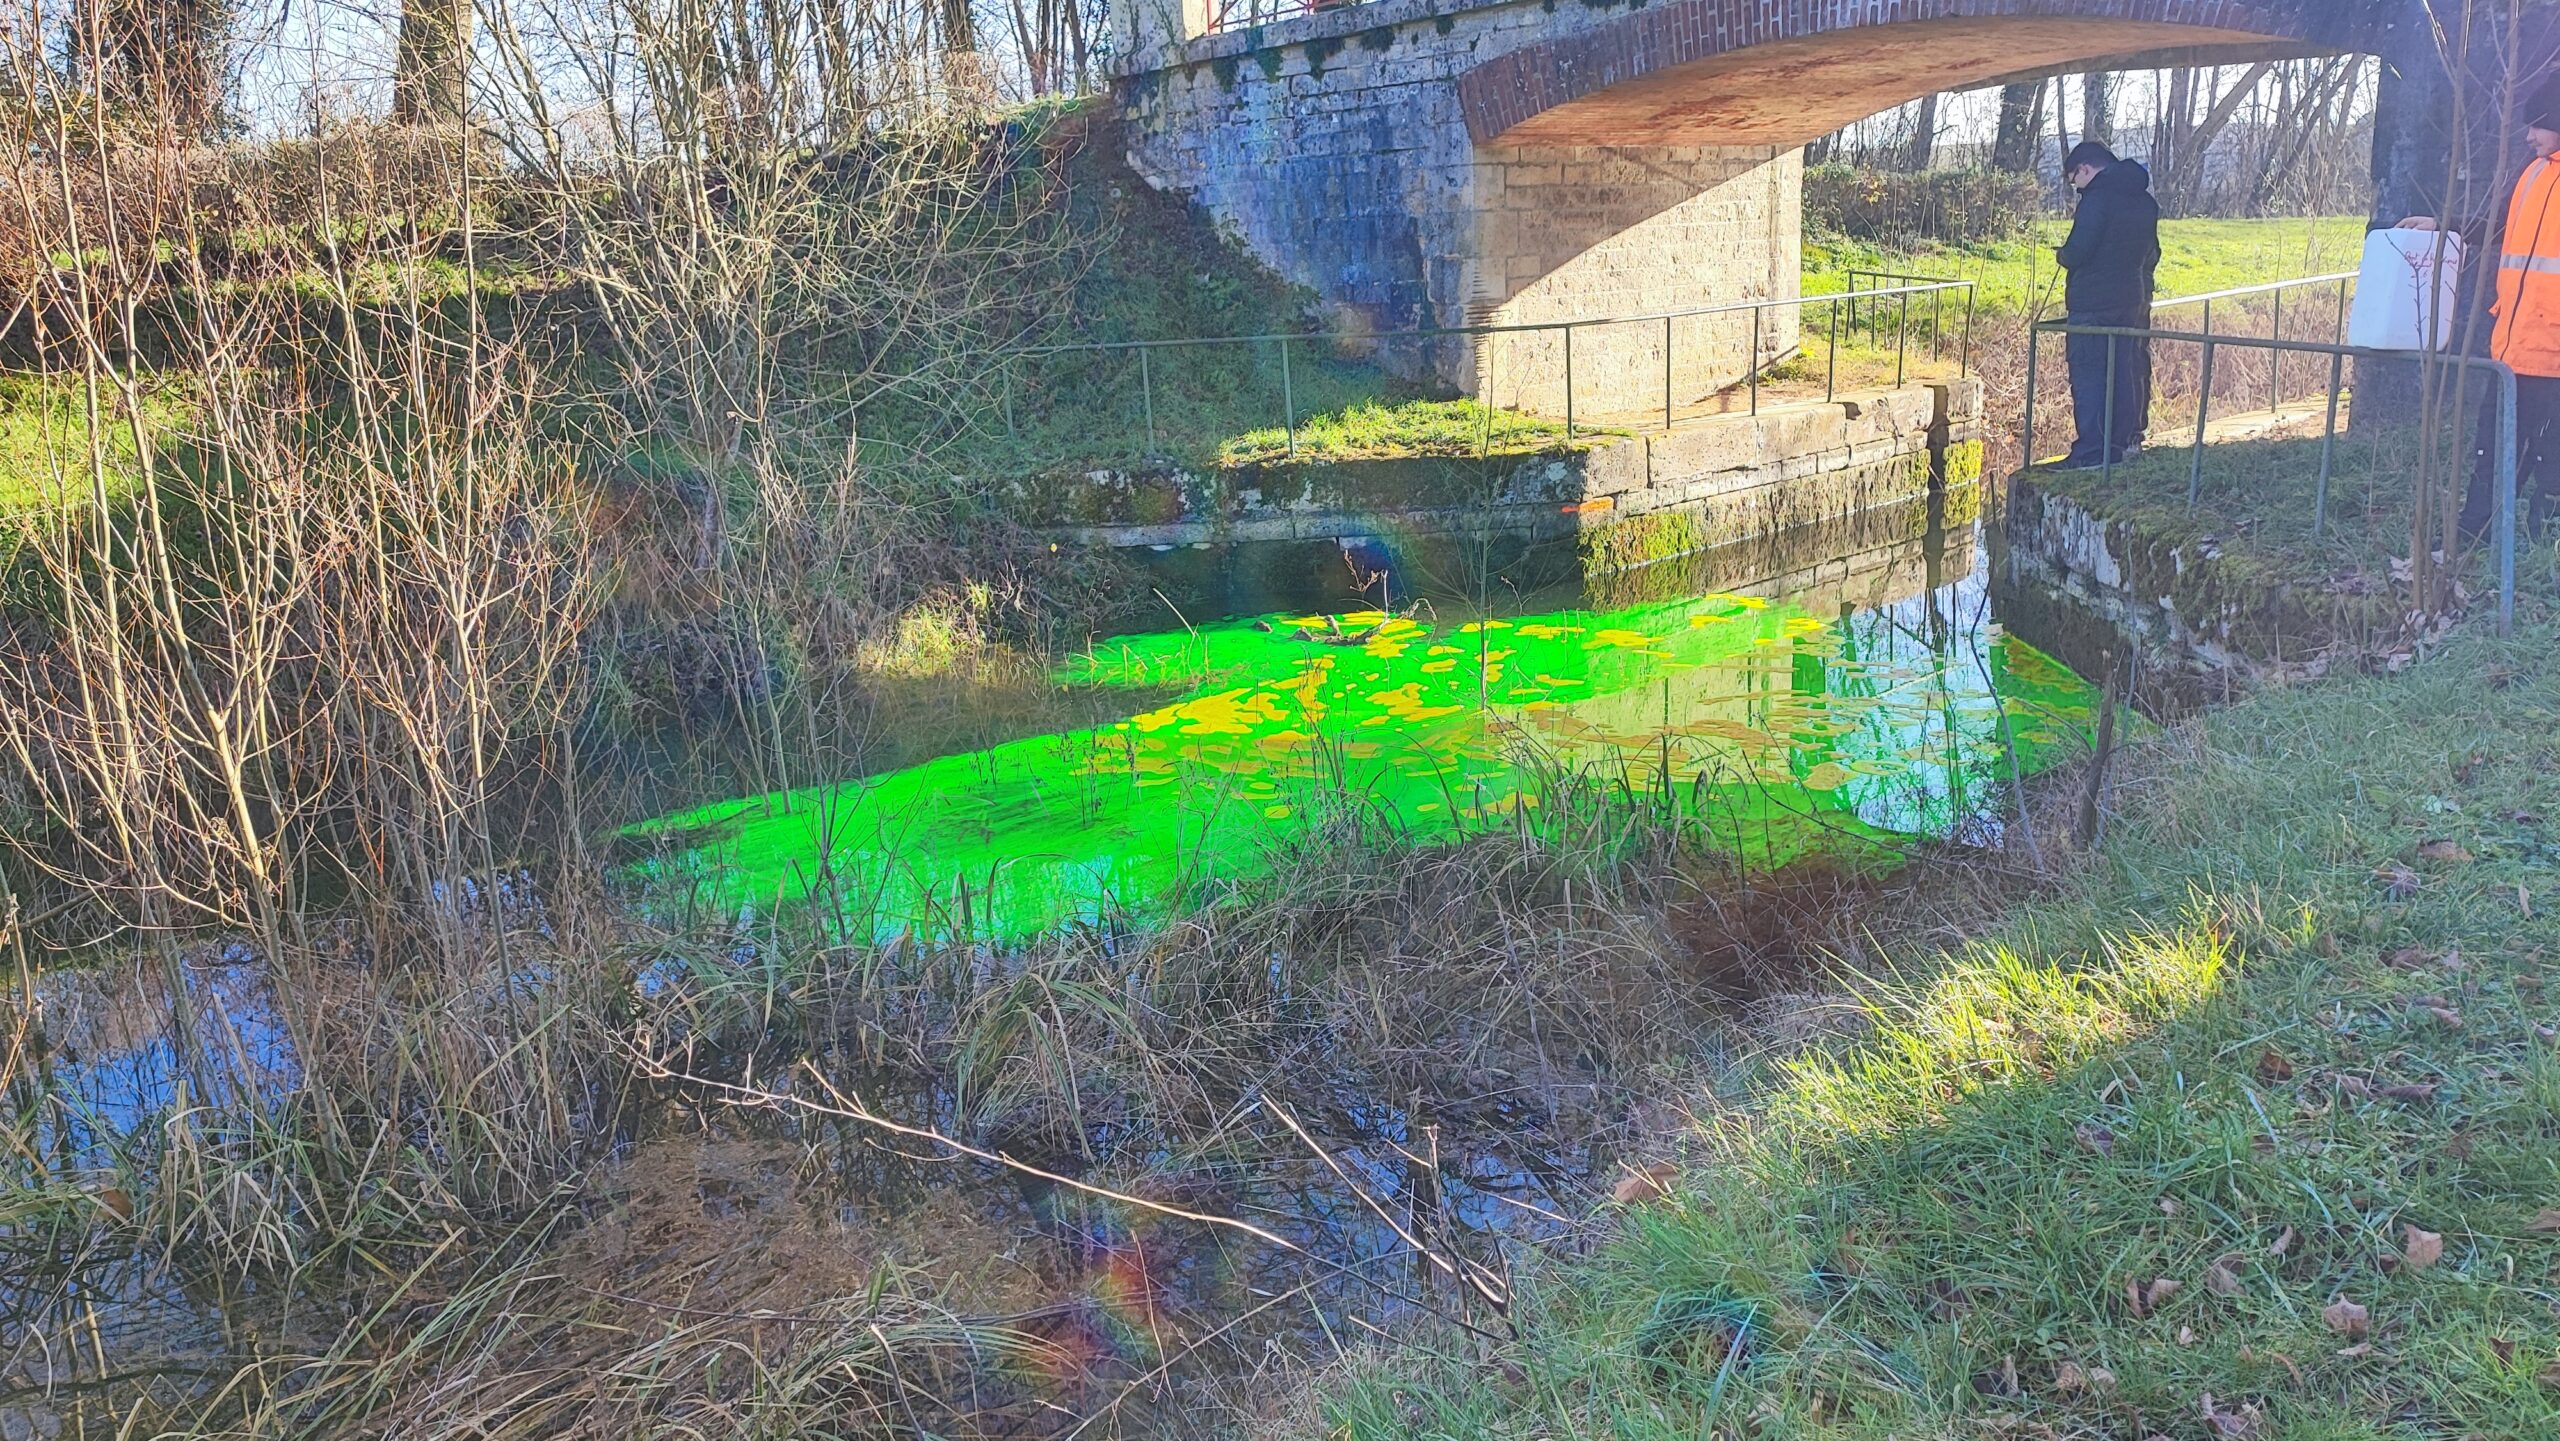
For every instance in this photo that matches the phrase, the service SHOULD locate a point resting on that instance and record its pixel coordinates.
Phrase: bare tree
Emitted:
(2013, 144)
(431, 75)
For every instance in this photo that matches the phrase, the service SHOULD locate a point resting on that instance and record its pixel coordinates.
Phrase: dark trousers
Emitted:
(2088, 357)
(2537, 455)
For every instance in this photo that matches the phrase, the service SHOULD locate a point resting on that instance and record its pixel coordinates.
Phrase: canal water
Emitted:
(1764, 723)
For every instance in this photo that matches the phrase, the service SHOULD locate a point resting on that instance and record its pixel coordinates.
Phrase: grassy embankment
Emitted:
(2244, 1130)
(2197, 256)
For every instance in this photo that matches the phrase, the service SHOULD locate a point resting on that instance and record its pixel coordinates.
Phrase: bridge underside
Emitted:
(1787, 93)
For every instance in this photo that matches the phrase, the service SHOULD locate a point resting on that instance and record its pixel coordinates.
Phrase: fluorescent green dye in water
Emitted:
(1764, 732)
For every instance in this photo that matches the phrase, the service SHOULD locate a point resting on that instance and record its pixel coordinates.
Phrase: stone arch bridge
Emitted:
(1422, 163)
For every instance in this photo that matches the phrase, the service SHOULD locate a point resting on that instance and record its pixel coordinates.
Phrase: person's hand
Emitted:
(2418, 222)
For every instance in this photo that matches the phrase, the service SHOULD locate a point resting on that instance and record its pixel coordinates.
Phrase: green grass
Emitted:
(2196, 256)
(2256, 499)
(2181, 1068)
(1375, 429)
(45, 454)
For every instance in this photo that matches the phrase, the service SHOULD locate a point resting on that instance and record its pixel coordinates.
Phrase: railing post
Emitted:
(2275, 361)
(1831, 379)
(1288, 402)
(1937, 326)
(1902, 342)
(1147, 391)
(2341, 336)
(2027, 442)
(2107, 413)
(1568, 381)
(1964, 366)
(2204, 414)
(2506, 500)
(1666, 372)
(2328, 444)
(1755, 359)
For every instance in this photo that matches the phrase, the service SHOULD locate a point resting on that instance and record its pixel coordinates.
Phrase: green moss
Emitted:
(1225, 67)
(1270, 58)
(1382, 38)
(1318, 51)
(1641, 540)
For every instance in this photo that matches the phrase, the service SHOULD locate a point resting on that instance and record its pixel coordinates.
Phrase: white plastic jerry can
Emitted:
(2405, 292)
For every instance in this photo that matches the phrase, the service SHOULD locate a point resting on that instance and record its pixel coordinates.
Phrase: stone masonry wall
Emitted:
(1573, 233)
(1344, 163)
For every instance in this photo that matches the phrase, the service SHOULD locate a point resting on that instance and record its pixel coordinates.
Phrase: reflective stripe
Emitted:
(2537, 264)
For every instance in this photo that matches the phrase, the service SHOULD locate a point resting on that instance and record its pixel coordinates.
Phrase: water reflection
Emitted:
(1765, 729)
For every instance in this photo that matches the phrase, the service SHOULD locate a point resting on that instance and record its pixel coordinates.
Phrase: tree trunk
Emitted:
(2013, 145)
(2098, 108)
(158, 58)
(430, 77)
(1924, 135)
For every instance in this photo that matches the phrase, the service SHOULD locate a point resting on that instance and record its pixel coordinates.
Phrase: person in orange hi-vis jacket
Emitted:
(2526, 335)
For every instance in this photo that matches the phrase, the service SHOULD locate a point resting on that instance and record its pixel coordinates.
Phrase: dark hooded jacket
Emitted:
(2114, 248)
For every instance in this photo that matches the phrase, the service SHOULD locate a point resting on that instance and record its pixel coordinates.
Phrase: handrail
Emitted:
(2236, 292)
(1733, 307)
(1757, 309)
(2500, 374)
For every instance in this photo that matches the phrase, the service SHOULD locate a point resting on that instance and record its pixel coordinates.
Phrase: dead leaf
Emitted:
(2527, 982)
(2347, 1318)
(2410, 958)
(2441, 848)
(1653, 1183)
(2446, 1016)
(2361, 1348)
(2273, 1067)
(2232, 1425)
(2186, 1335)
(2545, 1222)
(2399, 882)
(2503, 1349)
(2101, 1380)
(2097, 1140)
(2133, 1296)
(2069, 1379)
(2549, 1376)
(2282, 1243)
(2355, 1086)
(2161, 1289)
(117, 1203)
(2169, 1206)
(2420, 1249)
(2221, 1280)
(2412, 1091)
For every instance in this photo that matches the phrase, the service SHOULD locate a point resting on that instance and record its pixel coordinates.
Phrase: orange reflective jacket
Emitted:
(2528, 332)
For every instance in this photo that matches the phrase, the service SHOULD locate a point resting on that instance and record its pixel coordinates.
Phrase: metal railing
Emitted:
(1245, 14)
(2502, 452)
(1758, 310)
(2275, 290)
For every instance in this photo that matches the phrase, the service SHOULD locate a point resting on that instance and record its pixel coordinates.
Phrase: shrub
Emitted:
(1956, 207)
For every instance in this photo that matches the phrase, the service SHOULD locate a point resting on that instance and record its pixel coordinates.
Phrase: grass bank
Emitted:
(2244, 1130)
(2196, 256)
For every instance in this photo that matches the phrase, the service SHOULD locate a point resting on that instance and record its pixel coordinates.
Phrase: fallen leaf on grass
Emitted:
(2420, 1249)
(2273, 1067)
(2347, 1318)
(2399, 882)
(2441, 848)
(2282, 1243)
(2361, 1348)
(2232, 1425)
(2221, 1279)
(2442, 1015)
(2355, 1086)
(1653, 1183)
(2545, 1222)
(2503, 1349)
(2413, 1091)
(2097, 1140)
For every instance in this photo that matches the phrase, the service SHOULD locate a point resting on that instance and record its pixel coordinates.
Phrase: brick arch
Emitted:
(1782, 72)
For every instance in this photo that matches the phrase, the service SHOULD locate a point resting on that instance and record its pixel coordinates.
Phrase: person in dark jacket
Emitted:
(2112, 255)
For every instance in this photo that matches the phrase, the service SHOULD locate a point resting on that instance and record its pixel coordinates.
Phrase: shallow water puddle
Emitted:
(1767, 731)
